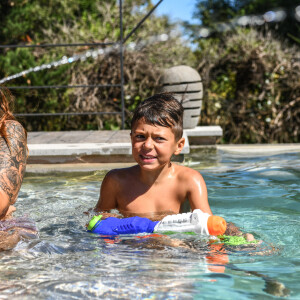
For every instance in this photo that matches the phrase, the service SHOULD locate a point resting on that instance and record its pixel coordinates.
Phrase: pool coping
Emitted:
(88, 151)
(100, 146)
(242, 150)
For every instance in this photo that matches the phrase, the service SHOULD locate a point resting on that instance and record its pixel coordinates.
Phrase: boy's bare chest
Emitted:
(158, 197)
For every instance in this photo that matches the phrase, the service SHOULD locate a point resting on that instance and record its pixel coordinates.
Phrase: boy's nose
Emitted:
(148, 144)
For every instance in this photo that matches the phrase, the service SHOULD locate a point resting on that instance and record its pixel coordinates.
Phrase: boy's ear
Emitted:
(179, 146)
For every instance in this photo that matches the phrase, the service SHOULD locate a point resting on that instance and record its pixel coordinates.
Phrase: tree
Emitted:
(214, 14)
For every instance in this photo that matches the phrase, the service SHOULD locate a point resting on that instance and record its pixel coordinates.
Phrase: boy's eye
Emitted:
(159, 138)
(140, 136)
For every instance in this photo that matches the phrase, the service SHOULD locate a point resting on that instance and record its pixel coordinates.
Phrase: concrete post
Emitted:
(185, 82)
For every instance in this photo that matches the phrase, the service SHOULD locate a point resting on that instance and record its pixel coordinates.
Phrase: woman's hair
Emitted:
(162, 110)
(6, 99)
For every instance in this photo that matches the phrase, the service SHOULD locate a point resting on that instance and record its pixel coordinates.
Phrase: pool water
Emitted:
(258, 193)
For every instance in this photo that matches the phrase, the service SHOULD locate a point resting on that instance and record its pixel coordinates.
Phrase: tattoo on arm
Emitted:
(13, 155)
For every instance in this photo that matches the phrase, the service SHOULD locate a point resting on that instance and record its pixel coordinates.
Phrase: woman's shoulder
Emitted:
(15, 138)
(14, 129)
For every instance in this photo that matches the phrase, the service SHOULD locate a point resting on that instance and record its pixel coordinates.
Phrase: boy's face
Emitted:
(153, 146)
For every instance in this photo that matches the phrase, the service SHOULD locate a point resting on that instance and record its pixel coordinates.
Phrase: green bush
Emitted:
(252, 87)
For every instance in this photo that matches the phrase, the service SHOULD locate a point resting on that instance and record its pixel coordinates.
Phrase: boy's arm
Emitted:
(107, 199)
(197, 196)
(197, 191)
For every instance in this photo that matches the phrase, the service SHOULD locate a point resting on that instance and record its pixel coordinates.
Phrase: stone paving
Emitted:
(95, 146)
(85, 151)
(79, 137)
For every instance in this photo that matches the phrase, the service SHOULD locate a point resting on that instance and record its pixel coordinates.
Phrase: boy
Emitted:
(155, 185)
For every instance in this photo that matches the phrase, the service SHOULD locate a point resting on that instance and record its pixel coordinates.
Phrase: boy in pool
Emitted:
(156, 187)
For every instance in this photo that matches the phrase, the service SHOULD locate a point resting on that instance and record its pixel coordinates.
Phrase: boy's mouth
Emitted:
(148, 158)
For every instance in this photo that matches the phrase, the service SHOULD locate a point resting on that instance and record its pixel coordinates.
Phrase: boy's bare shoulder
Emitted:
(116, 180)
(121, 174)
(186, 173)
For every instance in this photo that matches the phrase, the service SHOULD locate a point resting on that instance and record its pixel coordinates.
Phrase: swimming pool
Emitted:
(259, 193)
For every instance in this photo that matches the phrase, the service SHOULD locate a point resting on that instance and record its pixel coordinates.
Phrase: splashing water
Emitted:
(21, 222)
(87, 54)
(259, 194)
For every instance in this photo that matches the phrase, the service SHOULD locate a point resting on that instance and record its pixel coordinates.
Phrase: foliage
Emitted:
(252, 87)
(142, 71)
(251, 81)
(215, 13)
(81, 21)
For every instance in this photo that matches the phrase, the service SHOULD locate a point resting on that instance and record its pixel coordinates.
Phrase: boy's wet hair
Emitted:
(162, 110)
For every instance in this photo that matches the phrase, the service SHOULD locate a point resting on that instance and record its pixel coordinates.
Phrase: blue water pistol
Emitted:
(115, 226)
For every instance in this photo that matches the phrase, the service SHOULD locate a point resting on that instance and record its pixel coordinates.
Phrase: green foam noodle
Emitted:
(235, 240)
(174, 232)
(226, 239)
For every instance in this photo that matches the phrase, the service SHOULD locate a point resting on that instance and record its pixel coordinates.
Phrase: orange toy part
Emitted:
(218, 259)
(216, 225)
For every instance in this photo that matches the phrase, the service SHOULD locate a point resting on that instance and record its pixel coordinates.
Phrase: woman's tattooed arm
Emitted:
(13, 155)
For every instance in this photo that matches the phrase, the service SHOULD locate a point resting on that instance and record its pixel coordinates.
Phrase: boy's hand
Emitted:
(234, 230)
(249, 237)
(106, 215)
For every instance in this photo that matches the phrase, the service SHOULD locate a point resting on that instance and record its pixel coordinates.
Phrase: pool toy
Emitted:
(235, 240)
(196, 221)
